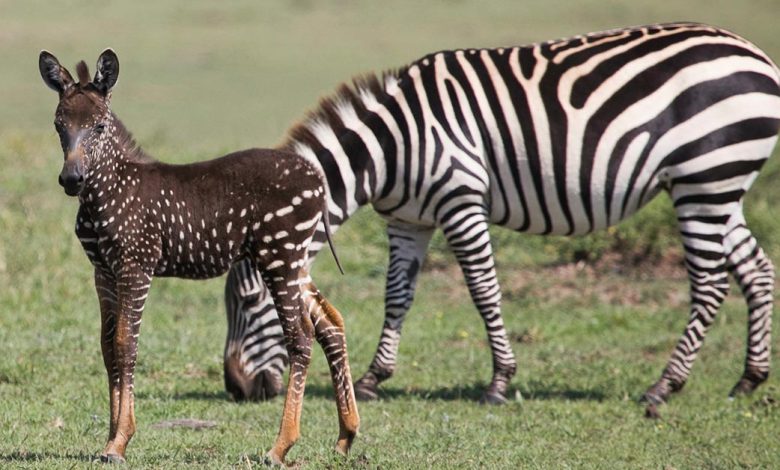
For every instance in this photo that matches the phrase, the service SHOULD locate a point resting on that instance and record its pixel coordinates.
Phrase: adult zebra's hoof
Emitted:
(493, 398)
(655, 396)
(651, 411)
(743, 387)
(112, 458)
(749, 382)
(367, 388)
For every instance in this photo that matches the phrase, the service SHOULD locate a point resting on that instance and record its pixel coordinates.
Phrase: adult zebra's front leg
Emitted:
(469, 239)
(408, 245)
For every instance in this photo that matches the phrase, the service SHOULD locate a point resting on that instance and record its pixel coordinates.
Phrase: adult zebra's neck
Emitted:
(355, 139)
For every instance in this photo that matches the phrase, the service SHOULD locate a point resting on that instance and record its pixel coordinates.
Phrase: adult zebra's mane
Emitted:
(361, 89)
(354, 94)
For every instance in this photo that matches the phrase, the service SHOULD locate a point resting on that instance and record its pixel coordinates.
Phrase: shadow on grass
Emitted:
(472, 392)
(565, 395)
(41, 456)
(209, 395)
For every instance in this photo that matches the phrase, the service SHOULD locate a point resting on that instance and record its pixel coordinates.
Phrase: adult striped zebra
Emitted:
(561, 137)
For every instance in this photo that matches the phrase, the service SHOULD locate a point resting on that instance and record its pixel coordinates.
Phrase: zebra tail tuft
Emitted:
(326, 222)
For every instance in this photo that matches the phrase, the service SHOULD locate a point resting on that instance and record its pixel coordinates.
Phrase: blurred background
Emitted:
(204, 76)
(201, 78)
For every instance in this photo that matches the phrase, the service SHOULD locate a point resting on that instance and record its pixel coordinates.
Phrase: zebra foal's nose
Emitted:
(72, 179)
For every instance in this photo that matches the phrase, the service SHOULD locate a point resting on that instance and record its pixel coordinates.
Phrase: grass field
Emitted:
(202, 78)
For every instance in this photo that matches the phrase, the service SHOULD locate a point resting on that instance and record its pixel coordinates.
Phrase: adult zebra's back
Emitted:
(561, 137)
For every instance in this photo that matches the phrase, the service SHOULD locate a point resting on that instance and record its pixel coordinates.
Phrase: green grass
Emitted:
(202, 78)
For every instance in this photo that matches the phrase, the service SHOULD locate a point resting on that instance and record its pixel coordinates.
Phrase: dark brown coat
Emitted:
(139, 218)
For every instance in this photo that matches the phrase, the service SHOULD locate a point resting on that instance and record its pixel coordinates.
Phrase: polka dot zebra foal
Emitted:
(139, 218)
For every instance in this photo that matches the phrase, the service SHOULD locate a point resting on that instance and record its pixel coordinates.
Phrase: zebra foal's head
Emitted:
(82, 119)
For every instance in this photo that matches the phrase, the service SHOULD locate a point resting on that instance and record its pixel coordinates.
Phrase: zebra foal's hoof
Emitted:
(271, 460)
(112, 458)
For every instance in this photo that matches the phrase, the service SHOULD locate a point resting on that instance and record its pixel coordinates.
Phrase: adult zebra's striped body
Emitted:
(562, 137)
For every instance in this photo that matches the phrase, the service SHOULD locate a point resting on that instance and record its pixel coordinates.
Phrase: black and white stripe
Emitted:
(562, 137)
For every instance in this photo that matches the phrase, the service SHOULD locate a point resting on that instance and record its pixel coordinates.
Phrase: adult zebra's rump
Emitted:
(560, 137)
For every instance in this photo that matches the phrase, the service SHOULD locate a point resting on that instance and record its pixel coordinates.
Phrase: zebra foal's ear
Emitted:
(54, 75)
(107, 71)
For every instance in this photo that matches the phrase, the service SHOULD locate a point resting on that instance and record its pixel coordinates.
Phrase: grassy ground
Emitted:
(201, 79)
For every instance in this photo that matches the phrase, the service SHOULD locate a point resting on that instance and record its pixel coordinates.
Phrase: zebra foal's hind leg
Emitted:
(408, 245)
(330, 334)
(755, 275)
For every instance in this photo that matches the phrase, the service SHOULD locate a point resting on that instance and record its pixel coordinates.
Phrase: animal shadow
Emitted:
(23, 456)
(472, 392)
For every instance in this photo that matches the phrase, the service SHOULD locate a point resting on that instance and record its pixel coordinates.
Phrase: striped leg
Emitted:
(469, 239)
(255, 356)
(408, 244)
(755, 274)
(106, 291)
(329, 331)
(298, 333)
(132, 288)
(706, 263)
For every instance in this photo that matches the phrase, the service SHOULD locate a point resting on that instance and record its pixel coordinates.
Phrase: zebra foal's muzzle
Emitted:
(72, 177)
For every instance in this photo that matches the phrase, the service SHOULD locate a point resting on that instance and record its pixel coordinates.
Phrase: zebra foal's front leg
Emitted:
(298, 335)
(105, 285)
(132, 287)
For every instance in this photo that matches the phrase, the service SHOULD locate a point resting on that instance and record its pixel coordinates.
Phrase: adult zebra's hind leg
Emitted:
(755, 274)
(469, 239)
(255, 356)
(408, 245)
(705, 260)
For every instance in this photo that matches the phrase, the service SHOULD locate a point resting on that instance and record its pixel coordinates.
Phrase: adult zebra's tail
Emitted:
(326, 223)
